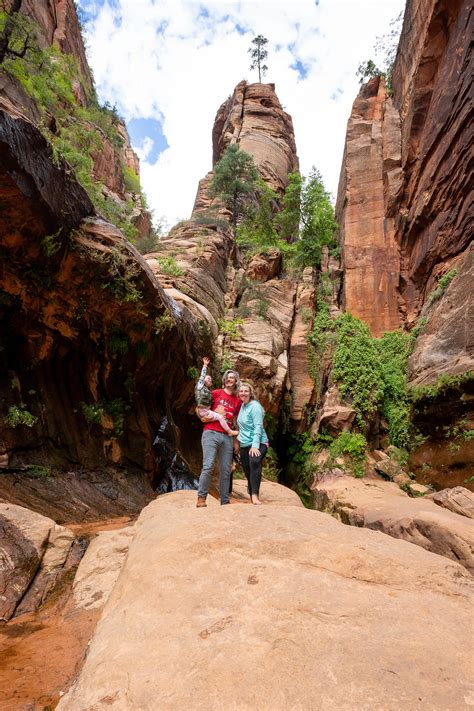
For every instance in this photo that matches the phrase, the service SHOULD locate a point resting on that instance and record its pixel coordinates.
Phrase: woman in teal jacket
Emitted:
(253, 439)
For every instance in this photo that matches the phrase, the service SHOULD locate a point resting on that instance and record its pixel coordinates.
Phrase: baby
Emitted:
(204, 401)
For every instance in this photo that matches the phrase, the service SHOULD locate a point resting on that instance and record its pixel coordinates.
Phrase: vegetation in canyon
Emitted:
(71, 118)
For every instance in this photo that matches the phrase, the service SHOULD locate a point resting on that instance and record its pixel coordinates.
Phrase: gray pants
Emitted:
(214, 443)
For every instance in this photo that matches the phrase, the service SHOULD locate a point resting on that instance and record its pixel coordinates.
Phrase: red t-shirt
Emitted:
(231, 405)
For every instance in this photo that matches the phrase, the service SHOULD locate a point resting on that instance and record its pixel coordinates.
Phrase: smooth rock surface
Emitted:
(275, 607)
(384, 507)
(100, 567)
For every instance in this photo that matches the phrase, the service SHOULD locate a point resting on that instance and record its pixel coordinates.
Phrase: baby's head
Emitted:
(208, 381)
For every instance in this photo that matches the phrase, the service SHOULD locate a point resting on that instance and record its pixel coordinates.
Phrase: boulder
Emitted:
(459, 500)
(30, 545)
(384, 507)
(275, 607)
(265, 266)
(334, 416)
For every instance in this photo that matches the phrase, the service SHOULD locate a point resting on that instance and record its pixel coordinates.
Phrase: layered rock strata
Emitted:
(289, 593)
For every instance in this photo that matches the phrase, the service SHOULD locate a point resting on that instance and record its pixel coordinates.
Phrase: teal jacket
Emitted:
(250, 423)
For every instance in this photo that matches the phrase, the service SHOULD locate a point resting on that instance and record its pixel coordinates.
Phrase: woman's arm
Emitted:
(256, 415)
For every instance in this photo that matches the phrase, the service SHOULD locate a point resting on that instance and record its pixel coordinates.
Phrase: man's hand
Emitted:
(205, 361)
(254, 452)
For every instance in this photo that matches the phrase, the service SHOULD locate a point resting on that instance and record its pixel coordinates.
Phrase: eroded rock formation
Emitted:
(85, 323)
(216, 283)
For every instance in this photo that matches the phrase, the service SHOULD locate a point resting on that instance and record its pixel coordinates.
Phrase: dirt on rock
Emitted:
(42, 652)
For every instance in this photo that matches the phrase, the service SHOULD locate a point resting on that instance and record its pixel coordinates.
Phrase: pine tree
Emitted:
(234, 180)
(259, 55)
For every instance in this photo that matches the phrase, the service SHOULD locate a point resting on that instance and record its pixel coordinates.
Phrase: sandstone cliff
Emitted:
(216, 283)
(405, 213)
(90, 343)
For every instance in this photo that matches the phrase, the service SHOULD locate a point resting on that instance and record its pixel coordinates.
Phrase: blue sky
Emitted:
(169, 64)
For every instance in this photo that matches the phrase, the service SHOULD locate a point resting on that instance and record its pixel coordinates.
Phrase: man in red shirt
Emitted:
(217, 442)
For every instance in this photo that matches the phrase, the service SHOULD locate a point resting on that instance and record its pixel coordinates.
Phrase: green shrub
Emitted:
(38, 471)
(131, 179)
(356, 367)
(163, 323)
(118, 342)
(94, 413)
(47, 75)
(352, 445)
(169, 266)
(230, 327)
(193, 373)
(442, 285)
(19, 415)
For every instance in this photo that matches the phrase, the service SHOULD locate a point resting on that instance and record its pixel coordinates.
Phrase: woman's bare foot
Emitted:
(233, 433)
(255, 500)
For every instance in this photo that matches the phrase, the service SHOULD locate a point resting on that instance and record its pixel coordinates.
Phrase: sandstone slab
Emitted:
(275, 607)
(99, 568)
(382, 506)
(458, 499)
(28, 541)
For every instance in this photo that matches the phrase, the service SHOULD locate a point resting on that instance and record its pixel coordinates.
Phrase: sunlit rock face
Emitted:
(371, 258)
(253, 118)
(290, 590)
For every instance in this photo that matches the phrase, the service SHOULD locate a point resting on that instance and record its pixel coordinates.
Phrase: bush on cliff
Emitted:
(370, 372)
(52, 79)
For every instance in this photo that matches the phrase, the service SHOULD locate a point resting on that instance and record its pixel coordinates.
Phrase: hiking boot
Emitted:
(201, 502)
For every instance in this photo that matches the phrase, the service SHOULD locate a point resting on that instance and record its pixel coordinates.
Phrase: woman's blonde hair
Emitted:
(248, 385)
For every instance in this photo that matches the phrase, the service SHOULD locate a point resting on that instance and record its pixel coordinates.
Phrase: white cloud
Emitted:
(177, 61)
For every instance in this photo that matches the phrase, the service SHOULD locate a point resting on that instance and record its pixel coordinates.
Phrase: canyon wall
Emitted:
(91, 347)
(405, 213)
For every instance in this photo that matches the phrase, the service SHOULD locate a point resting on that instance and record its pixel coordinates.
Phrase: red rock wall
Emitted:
(432, 83)
(405, 196)
(60, 25)
(371, 260)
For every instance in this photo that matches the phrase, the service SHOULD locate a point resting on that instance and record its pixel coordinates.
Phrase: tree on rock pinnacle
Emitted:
(235, 178)
(259, 55)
